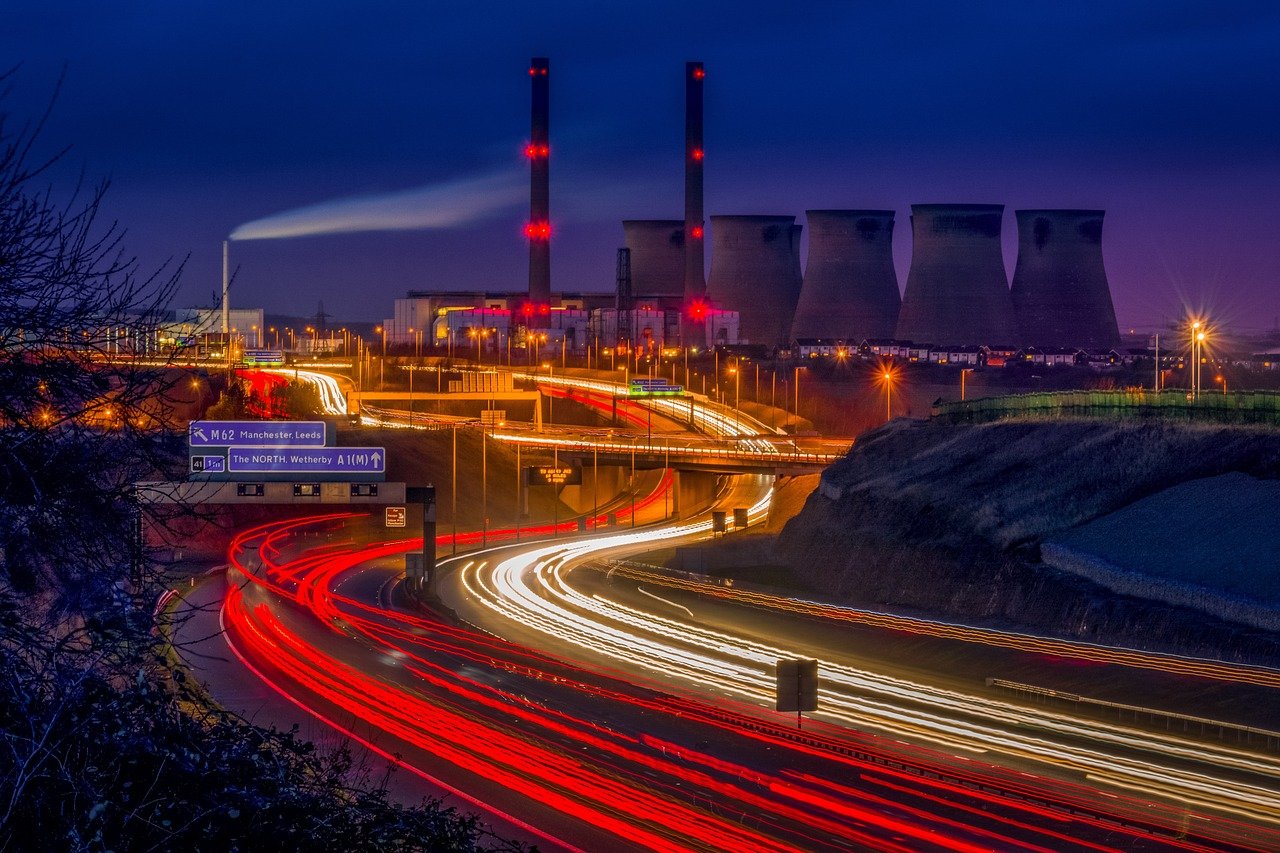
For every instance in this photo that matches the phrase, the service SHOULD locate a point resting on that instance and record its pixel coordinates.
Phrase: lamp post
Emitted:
(887, 376)
(963, 371)
(1199, 358)
(551, 372)
(797, 397)
(1195, 358)
(454, 491)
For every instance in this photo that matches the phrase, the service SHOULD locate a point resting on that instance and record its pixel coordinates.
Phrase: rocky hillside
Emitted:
(949, 520)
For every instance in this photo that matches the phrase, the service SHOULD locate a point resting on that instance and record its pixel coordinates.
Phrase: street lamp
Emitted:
(887, 378)
(1199, 358)
(963, 371)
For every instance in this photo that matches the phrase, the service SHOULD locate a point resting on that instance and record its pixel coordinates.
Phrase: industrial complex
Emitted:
(957, 293)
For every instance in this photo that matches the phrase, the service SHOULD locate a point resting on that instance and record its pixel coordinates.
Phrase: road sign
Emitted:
(322, 460)
(797, 685)
(654, 388)
(395, 516)
(718, 517)
(264, 357)
(550, 475)
(208, 464)
(256, 434)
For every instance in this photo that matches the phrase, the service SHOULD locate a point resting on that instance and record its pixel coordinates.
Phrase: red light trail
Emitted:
(647, 788)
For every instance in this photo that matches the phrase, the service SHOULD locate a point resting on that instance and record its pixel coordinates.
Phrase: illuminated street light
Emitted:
(963, 371)
(887, 377)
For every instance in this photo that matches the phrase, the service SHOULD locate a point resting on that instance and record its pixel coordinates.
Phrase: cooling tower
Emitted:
(957, 292)
(695, 283)
(850, 290)
(657, 256)
(1060, 292)
(538, 229)
(755, 270)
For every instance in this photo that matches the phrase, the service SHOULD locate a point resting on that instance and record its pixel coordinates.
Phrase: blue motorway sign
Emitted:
(256, 434)
(306, 460)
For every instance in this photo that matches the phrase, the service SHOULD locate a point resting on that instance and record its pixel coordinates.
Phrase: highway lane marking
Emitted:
(641, 590)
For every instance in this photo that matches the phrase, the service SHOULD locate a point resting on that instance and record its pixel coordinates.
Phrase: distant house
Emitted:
(1052, 356)
(1269, 360)
(919, 352)
(1136, 354)
(965, 356)
(819, 347)
(1000, 355)
(886, 347)
(1101, 359)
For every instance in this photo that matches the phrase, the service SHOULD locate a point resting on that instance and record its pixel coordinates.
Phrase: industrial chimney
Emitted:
(755, 270)
(957, 292)
(695, 283)
(850, 290)
(538, 229)
(657, 256)
(1060, 293)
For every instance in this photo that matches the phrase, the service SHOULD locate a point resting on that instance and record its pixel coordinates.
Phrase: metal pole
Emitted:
(484, 487)
(519, 483)
(595, 480)
(226, 289)
(454, 491)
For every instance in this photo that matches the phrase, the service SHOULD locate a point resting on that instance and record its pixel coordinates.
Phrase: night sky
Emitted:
(207, 116)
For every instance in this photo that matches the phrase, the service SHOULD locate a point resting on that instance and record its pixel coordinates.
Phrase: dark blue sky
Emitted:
(209, 115)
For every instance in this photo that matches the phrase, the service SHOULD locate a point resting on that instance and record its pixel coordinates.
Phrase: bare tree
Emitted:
(81, 416)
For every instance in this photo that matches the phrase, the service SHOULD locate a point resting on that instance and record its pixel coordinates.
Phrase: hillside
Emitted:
(950, 520)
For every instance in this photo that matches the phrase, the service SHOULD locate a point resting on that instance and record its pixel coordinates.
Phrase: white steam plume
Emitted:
(422, 208)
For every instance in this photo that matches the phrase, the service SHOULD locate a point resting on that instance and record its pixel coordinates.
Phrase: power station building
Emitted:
(957, 290)
(850, 290)
(755, 268)
(1060, 292)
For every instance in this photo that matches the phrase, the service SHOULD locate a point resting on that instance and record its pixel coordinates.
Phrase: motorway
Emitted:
(600, 700)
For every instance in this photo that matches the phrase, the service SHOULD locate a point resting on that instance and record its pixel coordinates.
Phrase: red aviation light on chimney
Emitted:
(544, 309)
(698, 310)
(696, 232)
(698, 155)
(535, 151)
(527, 309)
(699, 73)
(538, 230)
(533, 72)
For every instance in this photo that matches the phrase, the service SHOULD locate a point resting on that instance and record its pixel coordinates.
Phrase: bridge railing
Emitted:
(657, 449)
(1239, 407)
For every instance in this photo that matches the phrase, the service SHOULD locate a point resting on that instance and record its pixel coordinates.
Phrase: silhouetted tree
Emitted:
(104, 745)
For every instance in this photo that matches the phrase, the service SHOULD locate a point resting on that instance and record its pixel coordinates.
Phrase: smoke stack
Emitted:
(957, 292)
(226, 289)
(657, 256)
(1060, 292)
(755, 270)
(695, 283)
(850, 290)
(538, 230)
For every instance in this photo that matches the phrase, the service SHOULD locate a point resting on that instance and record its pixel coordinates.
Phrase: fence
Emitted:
(1241, 407)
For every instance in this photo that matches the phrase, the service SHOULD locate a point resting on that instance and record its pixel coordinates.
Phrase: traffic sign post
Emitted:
(256, 434)
(307, 460)
(797, 686)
